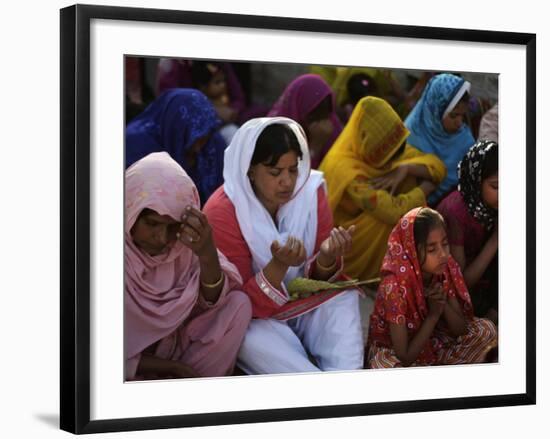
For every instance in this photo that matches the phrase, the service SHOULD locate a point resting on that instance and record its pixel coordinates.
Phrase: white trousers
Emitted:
(328, 338)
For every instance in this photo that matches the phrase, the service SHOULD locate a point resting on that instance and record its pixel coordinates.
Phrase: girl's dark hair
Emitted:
(202, 72)
(465, 98)
(321, 111)
(426, 220)
(273, 142)
(359, 86)
(490, 165)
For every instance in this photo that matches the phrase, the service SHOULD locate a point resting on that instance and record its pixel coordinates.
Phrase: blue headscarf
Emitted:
(425, 122)
(172, 123)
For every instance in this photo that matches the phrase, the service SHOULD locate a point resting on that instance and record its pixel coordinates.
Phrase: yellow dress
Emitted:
(365, 150)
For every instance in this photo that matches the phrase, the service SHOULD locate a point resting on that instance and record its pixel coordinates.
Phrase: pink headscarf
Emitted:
(300, 98)
(160, 291)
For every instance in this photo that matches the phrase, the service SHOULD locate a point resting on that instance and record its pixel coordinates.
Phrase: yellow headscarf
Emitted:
(367, 148)
(371, 137)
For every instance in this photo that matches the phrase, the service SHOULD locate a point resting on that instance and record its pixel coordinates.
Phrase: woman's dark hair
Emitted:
(490, 165)
(273, 142)
(426, 220)
(202, 72)
(359, 86)
(321, 111)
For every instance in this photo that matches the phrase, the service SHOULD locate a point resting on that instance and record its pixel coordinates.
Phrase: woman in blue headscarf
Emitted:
(437, 126)
(183, 123)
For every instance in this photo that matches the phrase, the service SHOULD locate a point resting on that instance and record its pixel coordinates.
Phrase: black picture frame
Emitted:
(75, 217)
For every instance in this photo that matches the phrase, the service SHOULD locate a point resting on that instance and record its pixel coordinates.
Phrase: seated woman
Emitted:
(183, 123)
(471, 214)
(488, 127)
(423, 314)
(177, 73)
(382, 84)
(373, 179)
(210, 79)
(271, 219)
(310, 101)
(437, 126)
(184, 315)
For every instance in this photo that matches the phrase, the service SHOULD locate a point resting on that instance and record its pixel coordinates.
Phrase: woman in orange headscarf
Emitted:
(373, 179)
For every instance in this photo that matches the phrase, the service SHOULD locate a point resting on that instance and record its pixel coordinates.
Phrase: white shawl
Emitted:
(297, 217)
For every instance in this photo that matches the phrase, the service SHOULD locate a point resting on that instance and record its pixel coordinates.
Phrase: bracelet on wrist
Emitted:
(215, 284)
(329, 268)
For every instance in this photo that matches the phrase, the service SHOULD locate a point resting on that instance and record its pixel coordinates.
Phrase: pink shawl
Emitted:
(160, 291)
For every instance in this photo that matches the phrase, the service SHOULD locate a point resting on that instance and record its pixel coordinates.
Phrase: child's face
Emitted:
(454, 120)
(437, 252)
(489, 191)
(217, 86)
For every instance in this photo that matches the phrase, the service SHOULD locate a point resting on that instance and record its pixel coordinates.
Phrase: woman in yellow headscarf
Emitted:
(373, 179)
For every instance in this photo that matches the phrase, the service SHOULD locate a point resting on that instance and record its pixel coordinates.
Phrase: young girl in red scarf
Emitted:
(423, 312)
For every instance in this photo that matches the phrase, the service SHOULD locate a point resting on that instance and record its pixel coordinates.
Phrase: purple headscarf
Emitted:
(300, 98)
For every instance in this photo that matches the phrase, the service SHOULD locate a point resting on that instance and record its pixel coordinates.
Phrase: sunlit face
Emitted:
(154, 233)
(437, 252)
(217, 86)
(455, 118)
(489, 191)
(274, 185)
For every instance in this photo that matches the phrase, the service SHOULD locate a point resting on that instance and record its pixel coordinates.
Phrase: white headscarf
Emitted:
(297, 217)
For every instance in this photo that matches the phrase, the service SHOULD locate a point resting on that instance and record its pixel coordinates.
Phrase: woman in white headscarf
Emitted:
(272, 220)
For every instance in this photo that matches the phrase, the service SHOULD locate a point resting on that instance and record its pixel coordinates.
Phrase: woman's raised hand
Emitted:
(336, 245)
(292, 254)
(195, 231)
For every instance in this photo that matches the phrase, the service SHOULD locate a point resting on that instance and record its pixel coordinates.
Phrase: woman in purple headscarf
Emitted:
(309, 100)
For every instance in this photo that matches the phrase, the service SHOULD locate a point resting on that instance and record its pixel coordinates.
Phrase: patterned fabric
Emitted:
(469, 185)
(161, 291)
(300, 98)
(400, 299)
(470, 348)
(173, 123)
(425, 123)
(366, 149)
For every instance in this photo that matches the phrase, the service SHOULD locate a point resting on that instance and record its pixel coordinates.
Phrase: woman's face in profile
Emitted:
(454, 120)
(274, 185)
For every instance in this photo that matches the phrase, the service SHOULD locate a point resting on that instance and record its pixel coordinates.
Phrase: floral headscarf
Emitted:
(470, 171)
(400, 297)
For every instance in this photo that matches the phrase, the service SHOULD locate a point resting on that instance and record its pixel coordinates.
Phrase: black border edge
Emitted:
(75, 217)
(531, 223)
(304, 24)
(68, 387)
(303, 413)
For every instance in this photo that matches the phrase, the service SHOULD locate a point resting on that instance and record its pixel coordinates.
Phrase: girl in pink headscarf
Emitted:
(309, 100)
(183, 316)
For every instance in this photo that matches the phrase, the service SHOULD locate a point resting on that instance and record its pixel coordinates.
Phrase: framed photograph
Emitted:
(96, 44)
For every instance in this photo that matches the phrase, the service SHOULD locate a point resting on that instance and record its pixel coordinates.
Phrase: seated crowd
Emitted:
(252, 235)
